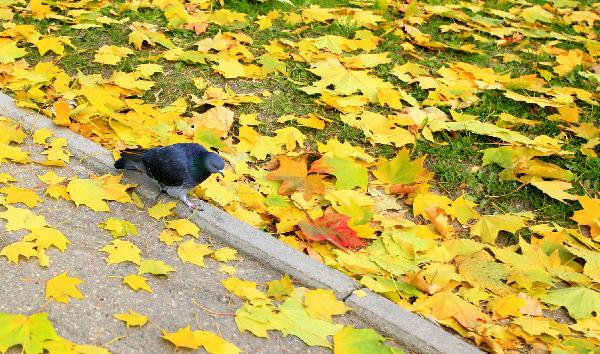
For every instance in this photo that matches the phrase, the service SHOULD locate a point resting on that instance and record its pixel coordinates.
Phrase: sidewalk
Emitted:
(190, 295)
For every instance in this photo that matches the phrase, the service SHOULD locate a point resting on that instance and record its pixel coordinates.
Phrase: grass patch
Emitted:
(457, 164)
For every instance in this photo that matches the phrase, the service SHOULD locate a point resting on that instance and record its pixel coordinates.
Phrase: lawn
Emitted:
(443, 154)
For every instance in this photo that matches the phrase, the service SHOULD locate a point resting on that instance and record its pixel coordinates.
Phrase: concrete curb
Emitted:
(417, 333)
(413, 331)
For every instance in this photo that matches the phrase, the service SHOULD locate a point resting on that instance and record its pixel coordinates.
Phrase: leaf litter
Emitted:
(378, 218)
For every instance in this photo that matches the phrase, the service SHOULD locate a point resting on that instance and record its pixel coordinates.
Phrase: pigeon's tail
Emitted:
(131, 159)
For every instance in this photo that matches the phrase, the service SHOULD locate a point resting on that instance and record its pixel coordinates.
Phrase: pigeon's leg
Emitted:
(162, 191)
(190, 204)
(181, 193)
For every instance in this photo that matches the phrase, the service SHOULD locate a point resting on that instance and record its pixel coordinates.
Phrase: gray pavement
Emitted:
(170, 306)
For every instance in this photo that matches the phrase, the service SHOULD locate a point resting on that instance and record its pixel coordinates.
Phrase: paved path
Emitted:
(170, 306)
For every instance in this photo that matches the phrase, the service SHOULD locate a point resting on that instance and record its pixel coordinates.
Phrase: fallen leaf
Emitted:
(132, 319)
(62, 287)
(161, 210)
(122, 251)
(332, 227)
(155, 267)
(363, 340)
(137, 282)
(191, 252)
(322, 304)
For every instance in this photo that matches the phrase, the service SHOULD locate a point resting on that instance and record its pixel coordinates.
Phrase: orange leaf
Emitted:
(332, 227)
(62, 110)
(293, 176)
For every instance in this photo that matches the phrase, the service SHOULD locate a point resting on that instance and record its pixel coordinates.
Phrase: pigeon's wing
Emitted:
(169, 165)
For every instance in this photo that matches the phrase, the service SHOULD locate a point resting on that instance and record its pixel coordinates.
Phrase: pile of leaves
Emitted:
(339, 172)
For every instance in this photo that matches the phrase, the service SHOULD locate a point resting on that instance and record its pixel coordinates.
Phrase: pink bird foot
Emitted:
(192, 205)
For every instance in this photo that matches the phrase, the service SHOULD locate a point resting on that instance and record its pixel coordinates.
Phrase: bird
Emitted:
(177, 168)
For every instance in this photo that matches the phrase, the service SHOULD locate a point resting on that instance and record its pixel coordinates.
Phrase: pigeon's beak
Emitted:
(222, 173)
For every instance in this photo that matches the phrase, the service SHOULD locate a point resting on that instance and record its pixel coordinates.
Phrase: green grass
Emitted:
(457, 165)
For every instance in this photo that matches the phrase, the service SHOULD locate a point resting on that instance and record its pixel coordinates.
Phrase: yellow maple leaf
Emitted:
(215, 344)
(111, 54)
(169, 236)
(62, 110)
(227, 269)
(589, 215)
(20, 195)
(5, 178)
(55, 44)
(280, 288)
(464, 210)
(18, 218)
(536, 326)
(137, 38)
(9, 51)
(555, 189)
(183, 338)
(155, 267)
(57, 154)
(39, 10)
(230, 67)
(11, 132)
(45, 237)
(58, 191)
(13, 153)
(245, 290)
(191, 252)
(217, 118)
(344, 104)
(290, 137)
(62, 287)
(118, 227)
(115, 190)
(345, 81)
(20, 248)
(322, 304)
(137, 282)
(445, 305)
(131, 81)
(379, 129)
(505, 306)
(161, 210)
(88, 192)
(50, 178)
(147, 70)
(225, 254)
(488, 226)
(225, 17)
(257, 145)
(568, 61)
(401, 170)
(132, 319)
(122, 251)
(41, 135)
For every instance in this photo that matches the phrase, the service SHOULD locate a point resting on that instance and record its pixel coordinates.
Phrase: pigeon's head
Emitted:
(214, 163)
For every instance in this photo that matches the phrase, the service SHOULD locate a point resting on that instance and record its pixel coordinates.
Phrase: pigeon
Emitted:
(177, 168)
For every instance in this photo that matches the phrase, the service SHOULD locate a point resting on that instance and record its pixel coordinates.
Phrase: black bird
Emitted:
(177, 168)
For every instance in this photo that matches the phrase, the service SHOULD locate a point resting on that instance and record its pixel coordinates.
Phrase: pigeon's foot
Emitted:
(192, 206)
(156, 200)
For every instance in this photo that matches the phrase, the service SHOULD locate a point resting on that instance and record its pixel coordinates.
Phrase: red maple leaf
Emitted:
(332, 227)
